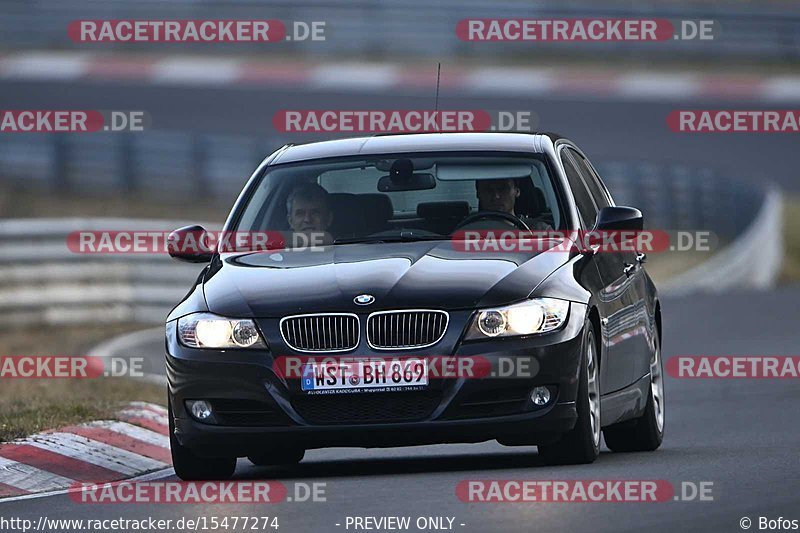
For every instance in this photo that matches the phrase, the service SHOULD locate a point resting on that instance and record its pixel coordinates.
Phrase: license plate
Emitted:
(404, 374)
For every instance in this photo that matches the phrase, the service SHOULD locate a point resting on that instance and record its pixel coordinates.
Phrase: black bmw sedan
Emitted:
(395, 311)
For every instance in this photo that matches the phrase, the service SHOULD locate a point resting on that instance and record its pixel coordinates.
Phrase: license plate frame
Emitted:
(365, 375)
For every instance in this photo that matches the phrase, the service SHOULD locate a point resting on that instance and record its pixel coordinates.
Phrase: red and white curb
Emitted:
(382, 77)
(97, 452)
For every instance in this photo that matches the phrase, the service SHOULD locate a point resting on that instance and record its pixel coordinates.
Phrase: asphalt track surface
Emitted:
(741, 435)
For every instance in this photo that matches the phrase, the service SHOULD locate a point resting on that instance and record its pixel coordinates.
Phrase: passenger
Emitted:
(309, 214)
(308, 208)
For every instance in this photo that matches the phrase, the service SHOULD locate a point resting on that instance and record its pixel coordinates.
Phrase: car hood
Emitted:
(427, 274)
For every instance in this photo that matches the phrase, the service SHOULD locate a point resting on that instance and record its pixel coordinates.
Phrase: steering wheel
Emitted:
(481, 215)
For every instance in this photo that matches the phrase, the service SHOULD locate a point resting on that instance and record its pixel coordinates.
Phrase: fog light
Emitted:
(200, 409)
(540, 396)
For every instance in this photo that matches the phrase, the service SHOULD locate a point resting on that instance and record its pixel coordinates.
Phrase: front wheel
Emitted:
(190, 467)
(581, 444)
(645, 433)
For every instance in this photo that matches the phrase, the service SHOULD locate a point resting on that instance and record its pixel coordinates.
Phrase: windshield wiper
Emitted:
(403, 236)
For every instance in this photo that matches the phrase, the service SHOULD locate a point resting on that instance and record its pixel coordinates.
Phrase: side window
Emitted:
(591, 180)
(583, 200)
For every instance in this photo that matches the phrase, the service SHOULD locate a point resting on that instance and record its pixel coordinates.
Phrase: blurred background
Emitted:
(211, 107)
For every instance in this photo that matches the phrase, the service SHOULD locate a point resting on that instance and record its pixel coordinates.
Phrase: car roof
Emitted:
(418, 142)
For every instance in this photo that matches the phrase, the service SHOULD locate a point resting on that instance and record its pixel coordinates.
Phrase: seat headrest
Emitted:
(539, 203)
(359, 213)
(376, 207)
(342, 201)
(531, 201)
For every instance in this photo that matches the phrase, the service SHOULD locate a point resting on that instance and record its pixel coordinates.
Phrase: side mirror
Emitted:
(190, 244)
(619, 218)
(614, 226)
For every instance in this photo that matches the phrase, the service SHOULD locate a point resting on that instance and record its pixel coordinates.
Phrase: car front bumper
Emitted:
(259, 410)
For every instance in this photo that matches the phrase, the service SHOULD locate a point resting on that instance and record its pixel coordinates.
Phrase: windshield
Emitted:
(403, 197)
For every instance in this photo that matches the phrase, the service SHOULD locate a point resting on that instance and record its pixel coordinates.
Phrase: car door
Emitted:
(638, 323)
(628, 334)
(614, 299)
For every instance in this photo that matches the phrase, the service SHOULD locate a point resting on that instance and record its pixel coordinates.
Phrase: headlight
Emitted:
(539, 315)
(204, 330)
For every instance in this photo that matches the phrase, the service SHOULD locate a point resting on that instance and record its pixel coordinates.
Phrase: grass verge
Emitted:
(663, 266)
(28, 406)
(791, 235)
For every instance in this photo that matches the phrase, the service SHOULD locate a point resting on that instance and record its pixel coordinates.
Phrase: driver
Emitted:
(501, 195)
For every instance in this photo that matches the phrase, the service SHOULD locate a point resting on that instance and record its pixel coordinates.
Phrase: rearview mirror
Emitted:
(413, 182)
(190, 244)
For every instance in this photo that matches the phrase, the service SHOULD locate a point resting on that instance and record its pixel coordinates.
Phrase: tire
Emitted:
(190, 467)
(581, 444)
(643, 434)
(284, 456)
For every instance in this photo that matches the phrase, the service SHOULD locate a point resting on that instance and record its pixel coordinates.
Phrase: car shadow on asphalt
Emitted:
(607, 463)
(391, 465)
(399, 465)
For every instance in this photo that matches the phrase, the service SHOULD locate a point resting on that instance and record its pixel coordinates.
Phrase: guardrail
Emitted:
(393, 28)
(673, 196)
(163, 161)
(43, 282)
(753, 260)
